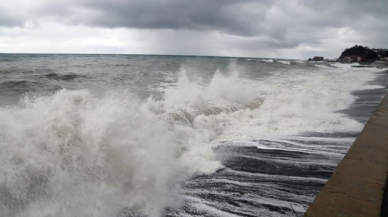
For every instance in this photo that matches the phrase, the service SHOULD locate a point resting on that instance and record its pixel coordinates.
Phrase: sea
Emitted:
(147, 135)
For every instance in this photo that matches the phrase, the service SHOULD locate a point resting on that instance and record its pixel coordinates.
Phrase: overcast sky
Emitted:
(250, 28)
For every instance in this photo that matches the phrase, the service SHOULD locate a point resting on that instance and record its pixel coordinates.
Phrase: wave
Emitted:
(266, 60)
(5, 71)
(77, 154)
(66, 77)
(283, 62)
(19, 86)
(230, 107)
(275, 61)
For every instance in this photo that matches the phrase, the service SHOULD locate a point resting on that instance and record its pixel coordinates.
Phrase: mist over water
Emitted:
(93, 135)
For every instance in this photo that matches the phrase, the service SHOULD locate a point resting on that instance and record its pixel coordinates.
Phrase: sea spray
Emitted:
(229, 106)
(76, 153)
(91, 156)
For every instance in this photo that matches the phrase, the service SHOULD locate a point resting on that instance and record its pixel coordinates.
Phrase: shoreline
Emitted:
(357, 186)
(368, 100)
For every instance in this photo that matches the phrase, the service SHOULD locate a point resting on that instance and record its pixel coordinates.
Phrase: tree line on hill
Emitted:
(363, 53)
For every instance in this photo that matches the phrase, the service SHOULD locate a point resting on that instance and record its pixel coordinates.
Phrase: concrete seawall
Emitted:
(357, 186)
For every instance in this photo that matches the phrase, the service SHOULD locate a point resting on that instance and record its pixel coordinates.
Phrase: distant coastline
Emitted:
(359, 54)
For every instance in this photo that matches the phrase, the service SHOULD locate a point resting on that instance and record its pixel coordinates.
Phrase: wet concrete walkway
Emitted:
(357, 186)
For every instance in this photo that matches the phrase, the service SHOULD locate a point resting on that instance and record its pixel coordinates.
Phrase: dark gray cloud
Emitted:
(353, 9)
(277, 24)
(239, 17)
(247, 18)
(9, 20)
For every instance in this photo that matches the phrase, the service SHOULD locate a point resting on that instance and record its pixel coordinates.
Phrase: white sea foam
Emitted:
(276, 60)
(285, 104)
(75, 154)
(266, 60)
(283, 62)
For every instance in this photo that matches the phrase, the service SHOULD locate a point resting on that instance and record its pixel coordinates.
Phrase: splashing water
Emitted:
(89, 156)
(73, 153)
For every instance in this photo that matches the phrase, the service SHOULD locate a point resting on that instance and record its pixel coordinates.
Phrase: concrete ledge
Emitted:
(357, 186)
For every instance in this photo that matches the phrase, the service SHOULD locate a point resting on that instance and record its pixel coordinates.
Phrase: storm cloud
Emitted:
(248, 24)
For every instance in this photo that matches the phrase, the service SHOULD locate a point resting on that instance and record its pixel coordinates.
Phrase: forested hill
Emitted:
(359, 51)
(366, 52)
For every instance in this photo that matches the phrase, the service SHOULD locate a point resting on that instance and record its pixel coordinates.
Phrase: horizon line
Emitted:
(186, 55)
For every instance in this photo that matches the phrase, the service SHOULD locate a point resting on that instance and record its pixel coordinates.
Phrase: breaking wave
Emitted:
(266, 60)
(77, 154)
(275, 61)
(284, 62)
(72, 154)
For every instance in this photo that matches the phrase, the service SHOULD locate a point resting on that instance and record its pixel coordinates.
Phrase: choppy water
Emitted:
(127, 135)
